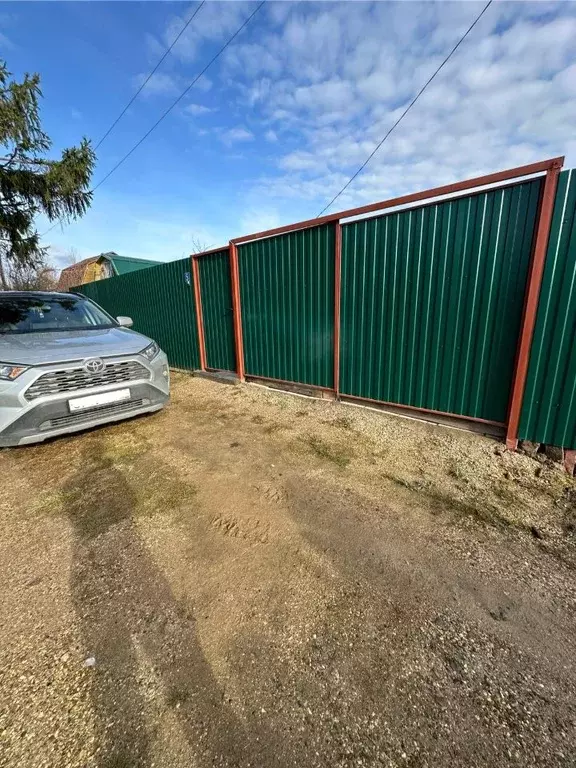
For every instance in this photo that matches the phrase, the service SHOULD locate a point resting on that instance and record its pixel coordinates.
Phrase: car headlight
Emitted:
(11, 372)
(151, 351)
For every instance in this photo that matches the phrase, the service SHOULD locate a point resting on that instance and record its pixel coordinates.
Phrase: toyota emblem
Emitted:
(93, 365)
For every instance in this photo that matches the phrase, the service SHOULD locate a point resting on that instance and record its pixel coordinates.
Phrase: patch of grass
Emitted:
(458, 473)
(479, 509)
(568, 502)
(162, 492)
(340, 422)
(273, 426)
(569, 523)
(114, 483)
(125, 447)
(339, 455)
(505, 492)
(411, 483)
(48, 503)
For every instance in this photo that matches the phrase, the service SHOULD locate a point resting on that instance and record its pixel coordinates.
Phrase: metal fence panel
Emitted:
(160, 301)
(287, 301)
(432, 301)
(217, 312)
(549, 405)
(431, 304)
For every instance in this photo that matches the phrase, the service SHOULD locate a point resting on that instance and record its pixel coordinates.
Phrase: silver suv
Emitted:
(67, 365)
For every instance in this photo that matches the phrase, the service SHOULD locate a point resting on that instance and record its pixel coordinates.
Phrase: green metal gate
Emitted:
(217, 312)
(287, 301)
(431, 302)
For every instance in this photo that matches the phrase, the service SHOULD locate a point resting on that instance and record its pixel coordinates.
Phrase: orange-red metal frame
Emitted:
(337, 288)
(424, 410)
(447, 189)
(199, 315)
(238, 339)
(531, 301)
(550, 167)
(251, 376)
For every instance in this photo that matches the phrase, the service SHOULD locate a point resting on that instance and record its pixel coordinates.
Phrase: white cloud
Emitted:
(506, 98)
(5, 42)
(214, 22)
(258, 91)
(254, 59)
(566, 80)
(330, 79)
(197, 109)
(62, 256)
(203, 84)
(279, 11)
(235, 135)
(134, 234)
(259, 220)
(329, 95)
(160, 84)
(171, 238)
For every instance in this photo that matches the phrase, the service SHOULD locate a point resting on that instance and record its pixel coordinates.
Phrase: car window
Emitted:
(24, 314)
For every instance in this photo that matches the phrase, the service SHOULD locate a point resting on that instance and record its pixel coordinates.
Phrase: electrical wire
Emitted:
(171, 107)
(152, 73)
(179, 99)
(408, 108)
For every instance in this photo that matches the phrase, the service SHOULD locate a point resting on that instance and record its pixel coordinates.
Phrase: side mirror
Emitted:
(124, 322)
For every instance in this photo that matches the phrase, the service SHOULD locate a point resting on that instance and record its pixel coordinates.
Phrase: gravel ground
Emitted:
(252, 578)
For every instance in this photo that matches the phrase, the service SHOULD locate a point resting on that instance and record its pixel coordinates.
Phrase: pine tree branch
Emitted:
(27, 160)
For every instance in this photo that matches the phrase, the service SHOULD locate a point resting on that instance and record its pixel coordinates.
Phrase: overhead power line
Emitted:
(152, 73)
(408, 108)
(179, 99)
(171, 107)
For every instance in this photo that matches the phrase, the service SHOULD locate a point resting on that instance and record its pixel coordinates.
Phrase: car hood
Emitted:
(63, 346)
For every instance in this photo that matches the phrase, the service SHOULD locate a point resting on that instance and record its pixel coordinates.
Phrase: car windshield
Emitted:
(34, 314)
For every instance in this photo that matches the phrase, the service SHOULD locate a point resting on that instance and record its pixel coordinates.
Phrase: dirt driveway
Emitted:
(256, 579)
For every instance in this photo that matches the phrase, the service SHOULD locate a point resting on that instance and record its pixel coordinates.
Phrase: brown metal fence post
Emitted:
(337, 286)
(531, 303)
(199, 315)
(239, 343)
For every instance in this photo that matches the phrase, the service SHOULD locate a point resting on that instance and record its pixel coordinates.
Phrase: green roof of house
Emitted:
(124, 264)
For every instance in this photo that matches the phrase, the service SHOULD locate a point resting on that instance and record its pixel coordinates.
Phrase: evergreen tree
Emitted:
(30, 183)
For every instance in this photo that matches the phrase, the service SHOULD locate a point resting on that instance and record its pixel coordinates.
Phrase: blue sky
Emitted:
(290, 110)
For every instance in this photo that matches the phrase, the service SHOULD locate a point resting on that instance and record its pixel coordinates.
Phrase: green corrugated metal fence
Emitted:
(217, 312)
(432, 301)
(287, 303)
(430, 310)
(160, 301)
(549, 406)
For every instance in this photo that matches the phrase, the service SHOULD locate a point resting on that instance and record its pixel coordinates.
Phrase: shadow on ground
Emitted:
(140, 636)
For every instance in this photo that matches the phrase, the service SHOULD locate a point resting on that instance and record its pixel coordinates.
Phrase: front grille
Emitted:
(90, 413)
(73, 379)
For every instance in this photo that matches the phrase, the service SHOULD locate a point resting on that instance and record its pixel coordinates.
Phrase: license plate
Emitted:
(93, 401)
